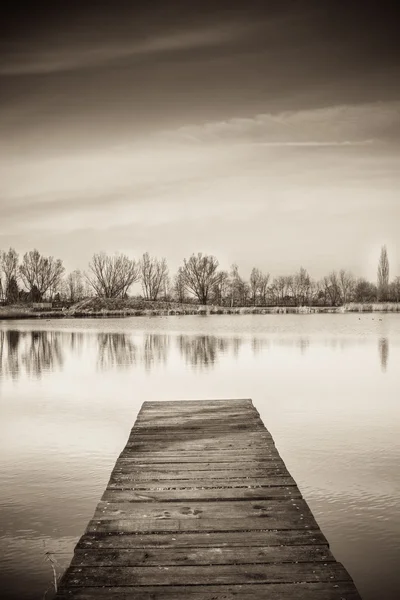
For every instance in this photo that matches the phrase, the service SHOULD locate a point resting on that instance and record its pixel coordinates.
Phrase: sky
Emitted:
(265, 133)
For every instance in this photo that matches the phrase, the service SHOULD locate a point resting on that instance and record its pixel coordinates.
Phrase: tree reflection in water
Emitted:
(202, 350)
(303, 344)
(119, 350)
(155, 349)
(9, 357)
(115, 350)
(259, 344)
(31, 353)
(236, 343)
(383, 346)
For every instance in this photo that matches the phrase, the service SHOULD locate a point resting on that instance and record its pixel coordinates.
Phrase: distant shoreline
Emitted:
(175, 309)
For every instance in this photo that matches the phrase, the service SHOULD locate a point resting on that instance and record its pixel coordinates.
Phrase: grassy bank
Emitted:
(26, 312)
(372, 307)
(137, 307)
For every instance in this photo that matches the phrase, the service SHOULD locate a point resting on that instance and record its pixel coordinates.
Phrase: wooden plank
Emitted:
(226, 420)
(264, 509)
(124, 482)
(234, 431)
(200, 425)
(226, 428)
(200, 432)
(191, 421)
(138, 475)
(187, 443)
(213, 403)
(201, 470)
(284, 521)
(205, 415)
(191, 416)
(206, 418)
(178, 443)
(201, 437)
(299, 537)
(201, 506)
(182, 416)
(280, 591)
(200, 556)
(193, 456)
(180, 407)
(203, 575)
(241, 446)
(127, 464)
(183, 495)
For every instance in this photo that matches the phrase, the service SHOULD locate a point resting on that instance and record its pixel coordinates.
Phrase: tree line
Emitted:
(35, 278)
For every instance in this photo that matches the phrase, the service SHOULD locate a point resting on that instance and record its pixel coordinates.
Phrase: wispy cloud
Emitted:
(312, 143)
(279, 166)
(80, 56)
(345, 125)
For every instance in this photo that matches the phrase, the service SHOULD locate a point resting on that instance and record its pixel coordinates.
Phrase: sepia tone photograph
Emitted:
(199, 300)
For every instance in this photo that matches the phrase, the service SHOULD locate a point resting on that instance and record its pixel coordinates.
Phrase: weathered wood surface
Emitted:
(200, 506)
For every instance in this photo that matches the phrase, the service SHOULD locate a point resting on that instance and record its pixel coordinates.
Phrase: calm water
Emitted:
(326, 386)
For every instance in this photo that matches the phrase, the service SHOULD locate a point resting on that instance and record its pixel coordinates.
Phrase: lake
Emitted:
(326, 386)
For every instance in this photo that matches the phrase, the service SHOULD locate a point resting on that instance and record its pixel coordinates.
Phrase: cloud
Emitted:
(74, 56)
(332, 126)
(263, 166)
(312, 144)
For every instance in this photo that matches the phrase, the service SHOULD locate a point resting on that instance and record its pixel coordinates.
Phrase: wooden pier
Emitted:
(200, 506)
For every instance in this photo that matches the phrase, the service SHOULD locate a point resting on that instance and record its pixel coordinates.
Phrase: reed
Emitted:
(372, 307)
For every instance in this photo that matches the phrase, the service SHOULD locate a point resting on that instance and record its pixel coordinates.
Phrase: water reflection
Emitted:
(156, 349)
(202, 350)
(259, 344)
(32, 353)
(35, 352)
(115, 350)
(383, 346)
(303, 344)
(236, 346)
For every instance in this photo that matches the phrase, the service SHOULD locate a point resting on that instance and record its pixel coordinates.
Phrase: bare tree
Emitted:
(9, 267)
(332, 288)
(263, 287)
(200, 274)
(316, 292)
(383, 275)
(240, 289)
(221, 288)
(273, 292)
(12, 291)
(179, 286)
(39, 273)
(255, 280)
(346, 285)
(112, 276)
(235, 282)
(154, 273)
(395, 289)
(303, 286)
(88, 290)
(167, 288)
(75, 287)
(280, 288)
(365, 291)
(293, 288)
